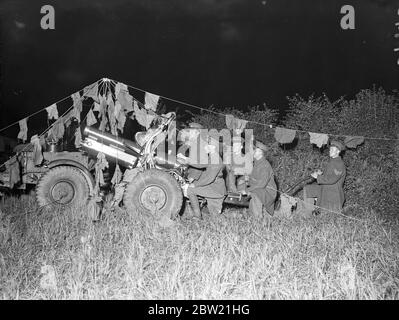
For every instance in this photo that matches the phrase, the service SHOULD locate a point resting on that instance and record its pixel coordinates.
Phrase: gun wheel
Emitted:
(62, 187)
(154, 192)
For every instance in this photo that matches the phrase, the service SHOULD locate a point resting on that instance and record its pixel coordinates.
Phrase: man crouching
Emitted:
(329, 187)
(262, 187)
(210, 183)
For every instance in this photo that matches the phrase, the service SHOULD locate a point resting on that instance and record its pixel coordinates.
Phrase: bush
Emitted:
(314, 114)
(373, 113)
(372, 168)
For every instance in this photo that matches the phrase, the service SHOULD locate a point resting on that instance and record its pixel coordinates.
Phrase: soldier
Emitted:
(262, 187)
(240, 167)
(209, 185)
(329, 188)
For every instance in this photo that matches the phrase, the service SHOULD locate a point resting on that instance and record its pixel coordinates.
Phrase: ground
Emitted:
(65, 255)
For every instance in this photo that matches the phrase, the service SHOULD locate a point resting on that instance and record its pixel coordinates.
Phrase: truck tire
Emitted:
(154, 192)
(62, 187)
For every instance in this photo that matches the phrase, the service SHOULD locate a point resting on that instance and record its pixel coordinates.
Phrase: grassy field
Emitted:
(64, 255)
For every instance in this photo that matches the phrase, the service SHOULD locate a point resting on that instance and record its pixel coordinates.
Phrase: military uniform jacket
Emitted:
(212, 178)
(260, 179)
(332, 182)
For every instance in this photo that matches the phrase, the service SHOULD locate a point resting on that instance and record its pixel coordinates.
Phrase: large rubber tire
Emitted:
(62, 187)
(154, 192)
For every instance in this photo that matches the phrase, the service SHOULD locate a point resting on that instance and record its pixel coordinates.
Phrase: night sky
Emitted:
(206, 52)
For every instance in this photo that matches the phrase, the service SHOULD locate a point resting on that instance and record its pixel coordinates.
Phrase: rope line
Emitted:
(255, 122)
(315, 206)
(105, 82)
(41, 110)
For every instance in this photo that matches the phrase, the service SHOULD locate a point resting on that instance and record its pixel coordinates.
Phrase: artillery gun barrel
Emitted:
(110, 139)
(115, 148)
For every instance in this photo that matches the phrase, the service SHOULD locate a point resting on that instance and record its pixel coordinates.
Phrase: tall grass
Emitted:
(64, 255)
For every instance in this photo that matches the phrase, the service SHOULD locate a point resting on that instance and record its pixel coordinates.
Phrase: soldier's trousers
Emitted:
(256, 206)
(235, 183)
(214, 201)
(314, 191)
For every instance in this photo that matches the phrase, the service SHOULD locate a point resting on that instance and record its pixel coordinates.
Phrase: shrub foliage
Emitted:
(372, 168)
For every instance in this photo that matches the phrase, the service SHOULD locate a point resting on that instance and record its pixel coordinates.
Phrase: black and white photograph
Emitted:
(199, 156)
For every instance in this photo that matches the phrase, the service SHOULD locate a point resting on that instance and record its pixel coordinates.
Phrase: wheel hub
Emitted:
(153, 197)
(63, 192)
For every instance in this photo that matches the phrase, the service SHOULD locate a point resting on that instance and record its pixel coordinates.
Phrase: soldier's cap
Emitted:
(337, 144)
(260, 145)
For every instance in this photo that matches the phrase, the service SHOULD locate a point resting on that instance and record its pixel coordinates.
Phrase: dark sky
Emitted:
(221, 52)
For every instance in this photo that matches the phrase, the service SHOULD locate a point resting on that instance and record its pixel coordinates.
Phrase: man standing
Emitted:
(262, 187)
(209, 185)
(329, 188)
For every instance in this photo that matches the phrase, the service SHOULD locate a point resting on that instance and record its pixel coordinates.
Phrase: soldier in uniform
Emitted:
(262, 187)
(329, 187)
(209, 185)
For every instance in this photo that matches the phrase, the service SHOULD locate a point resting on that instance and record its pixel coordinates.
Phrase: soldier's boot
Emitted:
(194, 204)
